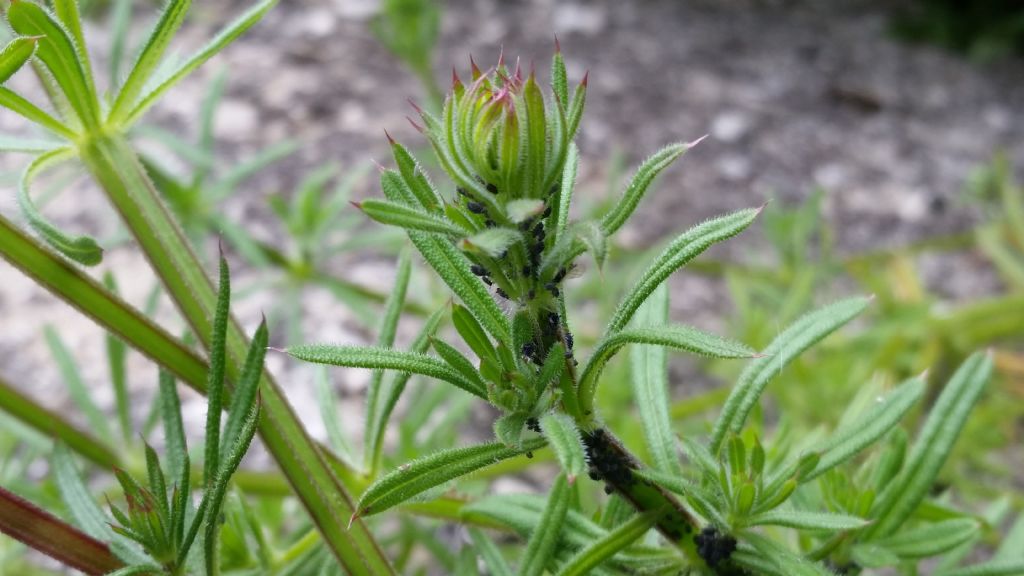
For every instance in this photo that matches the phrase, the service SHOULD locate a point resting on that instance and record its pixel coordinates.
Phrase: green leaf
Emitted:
(649, 379)
(76, 386)
(933, 445)
(215, 376)
(385, 359)
(800, 336)
(174, 430)
(885, 414)
(386, 339)
(509, 428)
(604, 548)
(472, 333)
(802, 520)
(697, 496)
(564, 438)
(671, 336)
(456, 360)
(149, 57)
(489, 552)
(561, 207)
(247, 388)
(422, 474)
(228, 35)
(541, 546)
(595, 241)
(415, 177)
(493, 242)
(536, 138)
(380, 411)
(407, 217)
(117, 362)
(330, 414)
(684, 248)
(237, 448)
(786, 562)
(929, 540)
(60, 56)
(14, 56)
(522, 209)
(638, 186)
(559, 79)
(991, 568)
(81, 249)
(24, 145)
(575, 112)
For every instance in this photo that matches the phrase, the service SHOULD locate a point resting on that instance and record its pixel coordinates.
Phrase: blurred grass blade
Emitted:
(76, 387)
(228, 35)
(933, 445)
(618, 539)
(489, 553)
(803, 520)
(120, 26)
(564, 438)
(174, 429)
(800, 336)
(885, 414)
(81, 249)
(33, 113)
(330, 413)
(422, 474)
(929, 540)
(990, 568)
(54, 426)
(117, 361)
(149, 57)
(684, 248)
(671, 336)
(215, 376)
(544, 540)
(649, 379)
(33, 526)
(391, 390)
(15, 54)
(385, 359)
(67, 12)
(645, 175)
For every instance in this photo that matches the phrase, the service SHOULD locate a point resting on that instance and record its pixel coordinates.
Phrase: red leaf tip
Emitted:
(558, 46)
(390, 139)
(586, 78)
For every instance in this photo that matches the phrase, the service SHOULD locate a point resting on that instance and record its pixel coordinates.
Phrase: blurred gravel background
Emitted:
(794, 95)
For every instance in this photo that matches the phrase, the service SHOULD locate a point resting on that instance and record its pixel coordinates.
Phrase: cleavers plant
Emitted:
(504, 244)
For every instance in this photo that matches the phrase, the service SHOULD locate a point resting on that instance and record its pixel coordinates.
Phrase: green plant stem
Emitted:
(116, 167)
(53, 424)
(38, 529)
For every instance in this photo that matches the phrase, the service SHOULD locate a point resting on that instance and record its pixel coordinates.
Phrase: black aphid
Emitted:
(478, 270)
(533, 424)
(529, 349)
(714, 546)
(487, 280)
(560, 275)
(492, 188)
(568, 340)
(547, 212)
(501, 293)
(550, 286)
(475, 207)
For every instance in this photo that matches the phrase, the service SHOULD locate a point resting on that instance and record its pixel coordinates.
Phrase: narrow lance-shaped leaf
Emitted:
(403, 216)
(564, 438)
(15, 54)
(247, 388)
(60, 56)
(638, 186)
(117, 362)
(543, 541)
(228, 35)
(174, 430)
(934, 443)
(238, 447)
(800, 336)
(330, 414)
(384, 359)
(867, 429)
(618, 539)
(929, 540)
(82, 249)
(683, 249)
(564, 198)
(649, 379)
(418, 476)
(672, 336)
(803, 520)
(215, 377)
(149, 57)
(493, 242)
(992, 568)
(415, 177)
